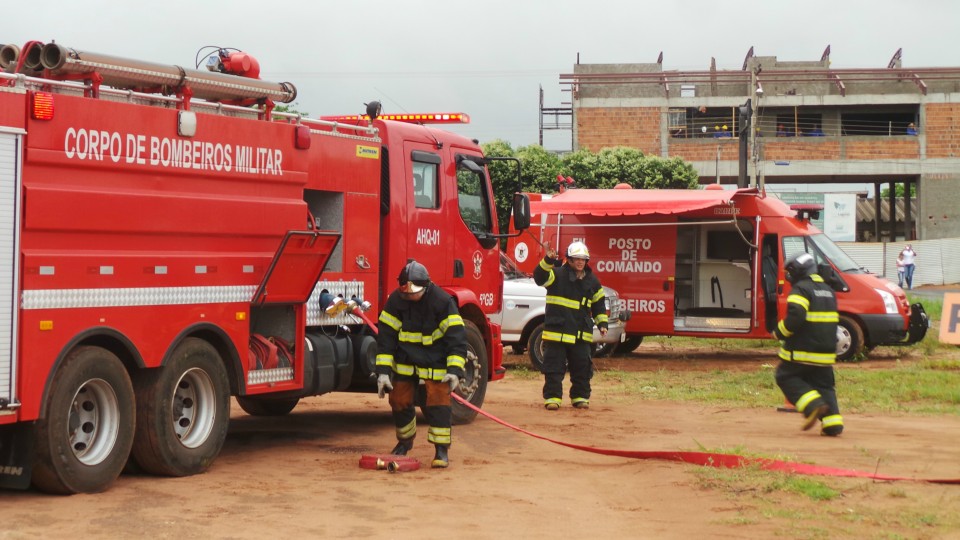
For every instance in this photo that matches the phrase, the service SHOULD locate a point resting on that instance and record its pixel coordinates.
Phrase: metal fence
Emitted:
(937, 262)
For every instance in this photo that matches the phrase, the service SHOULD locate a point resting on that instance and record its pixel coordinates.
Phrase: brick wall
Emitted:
(881, 148)
(705, 149)
(634, 127)
(942, 130)
(799, 149)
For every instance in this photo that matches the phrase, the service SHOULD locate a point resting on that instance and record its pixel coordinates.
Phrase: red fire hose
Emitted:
(389, 462)
(729, 461)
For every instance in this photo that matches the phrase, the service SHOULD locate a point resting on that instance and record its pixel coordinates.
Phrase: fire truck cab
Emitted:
(171, 242)
(709, 263)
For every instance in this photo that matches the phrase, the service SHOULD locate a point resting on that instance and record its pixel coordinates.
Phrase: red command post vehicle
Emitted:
(709, 263)
(170, 242)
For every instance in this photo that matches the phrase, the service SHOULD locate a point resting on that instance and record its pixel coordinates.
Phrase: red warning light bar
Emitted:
(417, 118)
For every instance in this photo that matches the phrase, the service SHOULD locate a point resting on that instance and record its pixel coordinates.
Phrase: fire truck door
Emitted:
(656, 280)
(638, 261)
(296, 267)
(10, 160)
(429, 196)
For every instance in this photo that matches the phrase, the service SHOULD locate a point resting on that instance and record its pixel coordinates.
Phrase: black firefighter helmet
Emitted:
(799, 267)
(413, 278)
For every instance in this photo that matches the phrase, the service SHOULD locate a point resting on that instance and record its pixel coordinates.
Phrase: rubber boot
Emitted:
(813, 413)
(440, 459)
(403, 446)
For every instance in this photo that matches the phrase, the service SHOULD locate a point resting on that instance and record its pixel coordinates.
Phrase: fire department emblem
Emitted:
(477, 264)
(520, 252)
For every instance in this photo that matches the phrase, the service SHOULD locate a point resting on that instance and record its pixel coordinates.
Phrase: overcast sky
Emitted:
(485, 58)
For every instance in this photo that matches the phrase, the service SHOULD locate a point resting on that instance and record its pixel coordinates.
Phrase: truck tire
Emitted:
(82, 443)
(850, 345)
(473, 387)
(262, 406)
(535, 345)
(183, 411)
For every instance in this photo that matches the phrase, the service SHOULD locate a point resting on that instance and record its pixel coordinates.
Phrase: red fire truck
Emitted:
(170, 241)
(709, 263)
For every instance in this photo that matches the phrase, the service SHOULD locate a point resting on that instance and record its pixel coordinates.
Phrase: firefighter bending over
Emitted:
(420, 337)
(808, 347)
(575, 301)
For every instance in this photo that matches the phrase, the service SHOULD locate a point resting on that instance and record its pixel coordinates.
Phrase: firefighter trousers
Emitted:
(557, 357)
(808, 386)
(435, 404)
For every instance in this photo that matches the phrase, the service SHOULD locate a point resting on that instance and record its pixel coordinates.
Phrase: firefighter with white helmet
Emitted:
(575, 302)
(808, 347)
(420, 337)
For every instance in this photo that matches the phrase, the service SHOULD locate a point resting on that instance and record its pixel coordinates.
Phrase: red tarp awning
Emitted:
(634, 202)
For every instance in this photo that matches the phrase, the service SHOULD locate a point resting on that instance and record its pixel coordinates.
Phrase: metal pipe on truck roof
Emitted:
(137, 74)
(31, 58)
(9, 54)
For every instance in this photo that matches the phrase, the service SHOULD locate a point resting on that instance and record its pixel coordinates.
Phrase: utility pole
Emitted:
(745, 129)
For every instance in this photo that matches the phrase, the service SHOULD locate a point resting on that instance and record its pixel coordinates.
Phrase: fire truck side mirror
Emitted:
(521, 211)
(470, 165)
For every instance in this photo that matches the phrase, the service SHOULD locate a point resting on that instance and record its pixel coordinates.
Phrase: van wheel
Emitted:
(849, 340)
(535, 345)
(473, 386)
(183, 409)
(629, 345)
(82, 443)
(604, 349)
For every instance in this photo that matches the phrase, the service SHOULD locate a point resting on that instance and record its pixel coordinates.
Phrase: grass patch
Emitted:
(933, 306)
(925, 387)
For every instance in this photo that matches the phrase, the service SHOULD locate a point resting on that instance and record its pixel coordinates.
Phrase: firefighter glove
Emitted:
(383, 384)
(452, 380)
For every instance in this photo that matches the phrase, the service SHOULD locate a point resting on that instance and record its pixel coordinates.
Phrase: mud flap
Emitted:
(16, 451)
(919, 323)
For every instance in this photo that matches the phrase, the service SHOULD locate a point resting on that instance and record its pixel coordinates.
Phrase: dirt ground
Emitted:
(298, 476)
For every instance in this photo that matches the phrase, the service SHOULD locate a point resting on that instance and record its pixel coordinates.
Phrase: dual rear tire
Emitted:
(170, 420)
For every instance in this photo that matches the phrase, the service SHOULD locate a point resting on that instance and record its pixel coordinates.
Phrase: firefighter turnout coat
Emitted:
(808, 333)
(424, 338)
(573, 305)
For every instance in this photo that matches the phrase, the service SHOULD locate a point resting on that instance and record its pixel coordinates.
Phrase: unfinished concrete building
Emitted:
(811, 124)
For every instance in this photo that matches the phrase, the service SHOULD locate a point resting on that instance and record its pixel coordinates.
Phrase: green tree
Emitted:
(582, 166)
(604, 169)
(503, 176)
(291, 108)
(899, 190)
(540, 169)
(618, 165)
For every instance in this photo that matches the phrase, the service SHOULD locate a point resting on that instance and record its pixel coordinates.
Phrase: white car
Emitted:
(524, 304)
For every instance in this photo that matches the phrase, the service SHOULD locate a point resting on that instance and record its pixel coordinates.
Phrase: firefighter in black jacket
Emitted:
(808, 348)
(575, 302)
(420, 337)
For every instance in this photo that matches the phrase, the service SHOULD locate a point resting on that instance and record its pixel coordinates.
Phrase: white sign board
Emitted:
(840, 216)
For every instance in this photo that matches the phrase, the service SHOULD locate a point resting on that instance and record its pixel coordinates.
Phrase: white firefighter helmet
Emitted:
(578, 250)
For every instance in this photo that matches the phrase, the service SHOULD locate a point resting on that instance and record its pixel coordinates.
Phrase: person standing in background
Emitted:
(900, 270)
(575, 302)
(909, 264)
